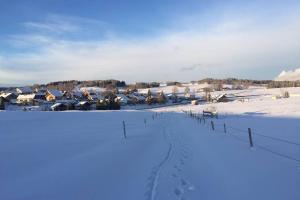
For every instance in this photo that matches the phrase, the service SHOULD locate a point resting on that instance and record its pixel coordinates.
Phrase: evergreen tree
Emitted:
(174, 94)
(207, 91)
(149, 99)
(161, 98)
(187, 91)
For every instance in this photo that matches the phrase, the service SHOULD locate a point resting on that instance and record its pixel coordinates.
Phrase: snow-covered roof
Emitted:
(162, 84)
(122, 90)
(23, 90)
(77, 93)
(81, 103)
(55, 93)
(122, 98)
(56, 105)
(25, 96)
(219, 96)
(5, 95)
(92, 89)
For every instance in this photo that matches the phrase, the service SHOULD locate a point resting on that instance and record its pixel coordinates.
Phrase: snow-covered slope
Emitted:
(83, 155)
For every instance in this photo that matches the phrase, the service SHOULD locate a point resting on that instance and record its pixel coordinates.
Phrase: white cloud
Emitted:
(292, 75)
(226, 48)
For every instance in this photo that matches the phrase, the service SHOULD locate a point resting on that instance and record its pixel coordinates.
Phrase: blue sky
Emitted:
(135, 40)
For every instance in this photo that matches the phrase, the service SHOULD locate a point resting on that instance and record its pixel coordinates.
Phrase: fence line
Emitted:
(215, 125)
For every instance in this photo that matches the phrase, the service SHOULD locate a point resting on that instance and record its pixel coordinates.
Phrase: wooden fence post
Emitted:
(225, 128)
(124, 130)
(212, 125)
(250, 137)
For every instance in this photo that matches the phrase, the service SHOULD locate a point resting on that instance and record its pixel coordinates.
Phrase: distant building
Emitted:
(77, 95)
(40, 95)
(163, 84)
(52, 95)
(122, 99)
(83, 105)
(224, 98)
(26, 98)
(8, 97)
(194, 102)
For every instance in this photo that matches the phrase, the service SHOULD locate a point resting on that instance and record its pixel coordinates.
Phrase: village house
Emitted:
(172, 97)
(194, 102)
(91, 95)
(224, 98)
(77, 94)
(190, 96)
(163, 84)
(9, 97)
(40, 94)
(53, 95)
(70, 103)
(26, 98)
(122, 99)
(83, 105)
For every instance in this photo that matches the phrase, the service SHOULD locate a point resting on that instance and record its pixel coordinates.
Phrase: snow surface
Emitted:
(84, 155)
(257, 101)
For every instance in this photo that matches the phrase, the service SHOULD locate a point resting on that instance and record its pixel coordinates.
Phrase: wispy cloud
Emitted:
(191, 68)
(68, 27)
(56, 27)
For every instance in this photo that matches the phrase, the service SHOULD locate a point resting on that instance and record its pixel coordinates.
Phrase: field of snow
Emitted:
(257, 101)
(84, 155)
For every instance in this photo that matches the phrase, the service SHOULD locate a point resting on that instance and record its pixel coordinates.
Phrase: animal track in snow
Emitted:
(174, 175)
(178, 191)
(177, 168)
(183, 182)
(181, 161)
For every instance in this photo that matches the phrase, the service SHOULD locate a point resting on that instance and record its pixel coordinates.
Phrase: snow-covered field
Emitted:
(257, 101)
(84, 155)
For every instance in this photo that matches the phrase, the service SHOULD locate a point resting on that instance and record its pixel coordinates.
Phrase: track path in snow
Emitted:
(167, 180)
(205, 164)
